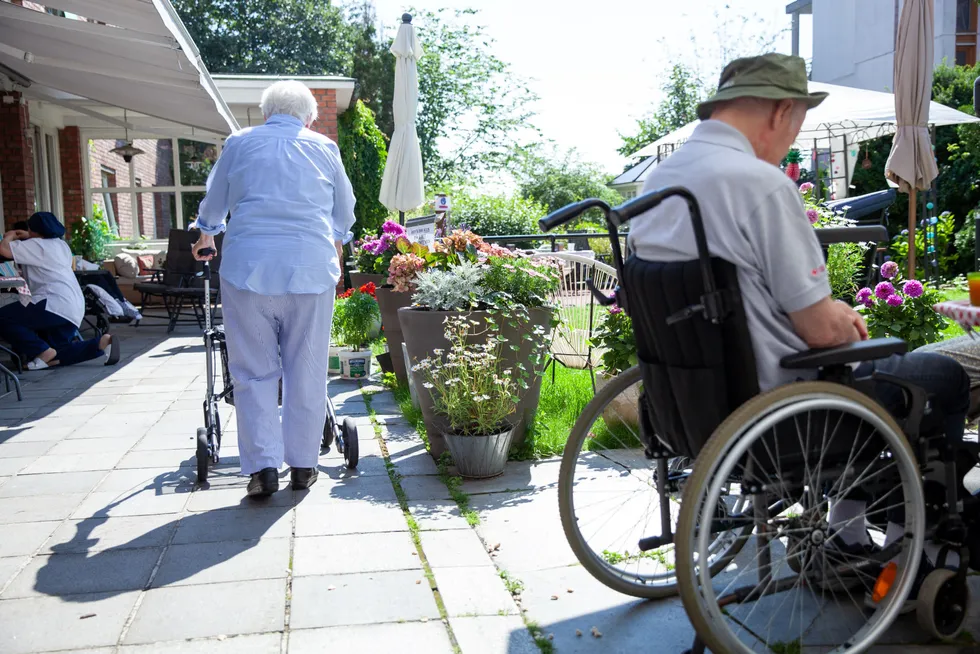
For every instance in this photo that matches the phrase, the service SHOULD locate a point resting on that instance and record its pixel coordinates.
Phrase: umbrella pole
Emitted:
(401, 218)
(912, 208)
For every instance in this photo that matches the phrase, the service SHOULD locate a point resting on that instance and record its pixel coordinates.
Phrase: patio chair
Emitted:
(177, 285)
(578, 313)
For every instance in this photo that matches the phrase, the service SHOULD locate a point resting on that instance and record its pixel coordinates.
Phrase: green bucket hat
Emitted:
(770, 76)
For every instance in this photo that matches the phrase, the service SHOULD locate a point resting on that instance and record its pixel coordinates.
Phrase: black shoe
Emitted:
(113, 347)
(303, 478)
(264, 483)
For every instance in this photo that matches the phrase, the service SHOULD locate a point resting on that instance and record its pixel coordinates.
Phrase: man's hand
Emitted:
(203, 243)
(16, 235)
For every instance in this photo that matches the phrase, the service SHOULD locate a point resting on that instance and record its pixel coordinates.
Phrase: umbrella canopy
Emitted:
(402, 187)
(911, 164)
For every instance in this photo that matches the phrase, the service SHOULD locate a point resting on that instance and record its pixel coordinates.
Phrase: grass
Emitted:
(956, 292)
(562, 401)
(615, 558)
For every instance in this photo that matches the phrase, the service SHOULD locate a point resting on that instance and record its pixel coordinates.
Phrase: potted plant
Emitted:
(356, 316)
(844, 260)
(409, 259)
(475, 395)
(617, 348)
(373, 255)
(496, 289)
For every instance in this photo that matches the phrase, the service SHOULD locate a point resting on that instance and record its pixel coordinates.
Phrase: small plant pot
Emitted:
(355, 365)
(333, 360)
(384, 360)
(480, 457)
(624, 408)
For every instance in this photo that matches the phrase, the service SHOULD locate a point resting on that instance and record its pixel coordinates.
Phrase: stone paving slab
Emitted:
(474, 591)
(454, 548)
(437, 515)
(99, 534)
(64, 575)
(354, 553)
(365, 598)
(493, 635)
(24, 538)
(252, 644)
(337, 518)
(227, 561)
(405, 638)
(179, 612)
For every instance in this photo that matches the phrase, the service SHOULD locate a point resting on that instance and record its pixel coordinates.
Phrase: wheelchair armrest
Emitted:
(875, 348)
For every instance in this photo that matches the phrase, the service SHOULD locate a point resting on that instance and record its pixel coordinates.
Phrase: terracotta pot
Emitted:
(625, 407)
(358, 279)
(423, 331)
(390, 301)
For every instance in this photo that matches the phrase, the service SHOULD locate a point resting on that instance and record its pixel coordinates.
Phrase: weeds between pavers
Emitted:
(413, 527)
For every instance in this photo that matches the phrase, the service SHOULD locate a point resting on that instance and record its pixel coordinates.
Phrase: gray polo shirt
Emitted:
(754, 218)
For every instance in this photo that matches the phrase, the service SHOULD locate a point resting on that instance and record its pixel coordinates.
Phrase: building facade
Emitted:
(854, 40)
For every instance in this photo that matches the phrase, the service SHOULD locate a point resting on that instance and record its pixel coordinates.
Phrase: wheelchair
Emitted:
(687, 437)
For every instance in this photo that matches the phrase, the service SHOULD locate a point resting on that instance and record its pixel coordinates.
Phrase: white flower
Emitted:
(438, 351)
(427, 385)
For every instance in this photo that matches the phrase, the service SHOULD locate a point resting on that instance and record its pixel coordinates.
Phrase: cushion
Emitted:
(146, 263)
(126, 265)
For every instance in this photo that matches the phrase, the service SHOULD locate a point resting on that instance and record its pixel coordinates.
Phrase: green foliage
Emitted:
(614, 337)
(372, 66)
(90, 236)
(471, 105)
(520, 280)
(355, 317)
(554, 180)
(845, 261)
(269, 37)
(496, 215)
(965, 242)
(947, 254)
(363, 151)
(683, 91)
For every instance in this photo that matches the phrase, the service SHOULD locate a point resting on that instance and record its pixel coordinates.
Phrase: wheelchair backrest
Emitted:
(695, 371)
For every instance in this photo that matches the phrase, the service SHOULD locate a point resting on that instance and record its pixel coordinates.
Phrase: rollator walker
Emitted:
(209, 436)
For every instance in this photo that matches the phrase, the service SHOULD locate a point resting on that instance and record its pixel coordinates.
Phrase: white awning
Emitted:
(143, 61)
(855, 113)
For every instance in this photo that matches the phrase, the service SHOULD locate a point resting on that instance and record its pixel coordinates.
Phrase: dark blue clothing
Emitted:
(32, 329)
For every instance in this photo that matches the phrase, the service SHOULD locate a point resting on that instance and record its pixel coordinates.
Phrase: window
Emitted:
(966, 32)
(109, 200)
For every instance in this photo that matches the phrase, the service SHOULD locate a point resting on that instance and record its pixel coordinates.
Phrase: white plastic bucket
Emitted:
(355, 365)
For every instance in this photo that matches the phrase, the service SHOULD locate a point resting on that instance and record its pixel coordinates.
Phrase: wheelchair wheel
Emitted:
(795, 451)
(609, 498)
(942, 604)
(203, 455)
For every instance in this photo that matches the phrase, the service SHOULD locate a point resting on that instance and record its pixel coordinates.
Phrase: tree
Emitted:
(373, 66)
(363, 151)
(270, 37)
(554, 179)
(683, 91)
(471, 106)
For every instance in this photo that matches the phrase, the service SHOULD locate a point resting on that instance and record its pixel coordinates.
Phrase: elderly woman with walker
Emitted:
(292, 208)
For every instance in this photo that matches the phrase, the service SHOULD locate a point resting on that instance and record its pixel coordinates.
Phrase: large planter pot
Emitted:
(358, 279)
(480, 457)
(423, 331)
(390, 301)
(624, 408)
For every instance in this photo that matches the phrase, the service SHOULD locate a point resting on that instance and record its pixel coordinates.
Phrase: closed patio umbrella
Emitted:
(911, 164)
(402, 188)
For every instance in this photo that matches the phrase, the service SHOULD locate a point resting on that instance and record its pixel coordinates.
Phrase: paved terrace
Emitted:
(107, 546)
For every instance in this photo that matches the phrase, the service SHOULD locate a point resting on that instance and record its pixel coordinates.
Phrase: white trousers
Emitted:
(271, 336)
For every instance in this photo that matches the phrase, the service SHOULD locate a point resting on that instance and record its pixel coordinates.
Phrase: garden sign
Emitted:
(421, 230)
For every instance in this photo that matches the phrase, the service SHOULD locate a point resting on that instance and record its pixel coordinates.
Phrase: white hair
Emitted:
(291, 98)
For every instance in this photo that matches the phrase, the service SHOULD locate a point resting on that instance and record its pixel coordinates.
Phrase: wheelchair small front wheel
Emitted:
(609, 497)
(797, 451)
(203, 455)
(942, 604)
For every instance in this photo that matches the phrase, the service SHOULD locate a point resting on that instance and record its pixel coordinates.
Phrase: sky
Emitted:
(597, 66)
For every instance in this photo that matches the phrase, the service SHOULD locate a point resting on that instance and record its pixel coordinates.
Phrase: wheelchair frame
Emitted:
(833, 364)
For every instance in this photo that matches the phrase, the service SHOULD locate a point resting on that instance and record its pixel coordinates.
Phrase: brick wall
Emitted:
(16, 159)
(326, 122)
(72, 185)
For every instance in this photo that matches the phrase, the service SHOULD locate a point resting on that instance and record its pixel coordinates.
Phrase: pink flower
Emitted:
(813, 216)
(884, 290)
(806, 187)
(894, 300)
(889, 269)
(912, 288)
(864, 297)
(614, 309)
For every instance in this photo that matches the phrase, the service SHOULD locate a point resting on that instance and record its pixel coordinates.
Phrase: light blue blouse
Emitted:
(290, 200)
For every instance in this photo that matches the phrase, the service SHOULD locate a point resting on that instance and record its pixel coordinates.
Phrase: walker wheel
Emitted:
(329, 428)
(203, 455)
(942, 604)
(349, 430)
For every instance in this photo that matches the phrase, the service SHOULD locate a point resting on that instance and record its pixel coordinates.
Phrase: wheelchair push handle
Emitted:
(569, 213)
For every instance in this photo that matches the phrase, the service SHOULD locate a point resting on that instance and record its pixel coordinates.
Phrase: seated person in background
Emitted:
(754, 218)
(966, 350)
(43, 329)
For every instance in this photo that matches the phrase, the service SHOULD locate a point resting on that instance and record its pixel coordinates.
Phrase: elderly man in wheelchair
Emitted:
(843, 456)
